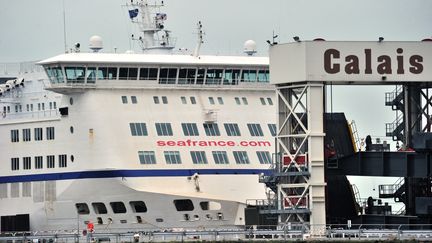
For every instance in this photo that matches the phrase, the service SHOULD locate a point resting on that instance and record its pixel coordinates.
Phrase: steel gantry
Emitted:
(300, 145)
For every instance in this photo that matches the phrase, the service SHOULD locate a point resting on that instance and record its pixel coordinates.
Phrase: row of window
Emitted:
(184, 76)
(39, 163)
(199, 157)
(29, 107)
(38, 134)
(210, 129)
(212, 100)
(141, 207)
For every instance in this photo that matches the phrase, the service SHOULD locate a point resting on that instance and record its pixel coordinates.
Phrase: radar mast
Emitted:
(150, 21)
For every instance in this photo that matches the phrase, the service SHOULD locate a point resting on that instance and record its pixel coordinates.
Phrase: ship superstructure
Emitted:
(144, 141)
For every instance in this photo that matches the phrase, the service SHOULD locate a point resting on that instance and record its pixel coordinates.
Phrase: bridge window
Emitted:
(74, 74)
(263, 76)
(148, 74)
(200, 76)
(186, 76)
(107, 73)
(231, 76)
(220, 100)
(55, 74)
(214, 76)
(128, 73)
(167, 75)
(249, 76)
(91, 75)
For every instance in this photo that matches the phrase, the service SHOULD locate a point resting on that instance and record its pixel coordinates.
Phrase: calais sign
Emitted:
(351, 62)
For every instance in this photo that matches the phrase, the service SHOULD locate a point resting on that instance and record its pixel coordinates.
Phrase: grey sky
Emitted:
(33, 30)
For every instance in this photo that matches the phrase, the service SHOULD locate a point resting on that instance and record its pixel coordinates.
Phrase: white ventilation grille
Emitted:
(15, 190)
(26, 189)
(38, 191)
(3, 190)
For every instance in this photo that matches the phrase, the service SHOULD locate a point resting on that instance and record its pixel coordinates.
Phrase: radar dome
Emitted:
(96, 43)
(249, 47)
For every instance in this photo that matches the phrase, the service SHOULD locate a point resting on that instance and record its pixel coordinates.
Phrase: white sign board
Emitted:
(351, 62)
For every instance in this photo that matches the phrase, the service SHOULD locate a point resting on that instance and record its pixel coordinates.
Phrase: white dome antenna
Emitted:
(250, 47)
(96, 43)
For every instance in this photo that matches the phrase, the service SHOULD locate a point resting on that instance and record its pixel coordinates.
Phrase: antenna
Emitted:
(64, 28)
(153, 36)
(200, 34)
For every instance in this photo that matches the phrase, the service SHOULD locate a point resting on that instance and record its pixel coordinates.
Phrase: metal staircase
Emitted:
(396, 190)
(395, 100)
(396, 128)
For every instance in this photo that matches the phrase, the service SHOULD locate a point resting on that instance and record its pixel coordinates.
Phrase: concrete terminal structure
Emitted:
(305, 161)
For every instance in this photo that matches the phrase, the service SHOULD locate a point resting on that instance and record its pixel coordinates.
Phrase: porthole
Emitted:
(159, 220)
(72, 158)
(71, 129)
(71, 101)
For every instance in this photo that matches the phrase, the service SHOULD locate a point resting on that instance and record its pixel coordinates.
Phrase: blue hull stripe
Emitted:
(127, 173)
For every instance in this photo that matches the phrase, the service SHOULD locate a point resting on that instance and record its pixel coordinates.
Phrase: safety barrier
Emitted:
(250, 233)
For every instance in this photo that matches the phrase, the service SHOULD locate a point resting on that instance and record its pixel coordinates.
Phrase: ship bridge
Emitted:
(76, 72)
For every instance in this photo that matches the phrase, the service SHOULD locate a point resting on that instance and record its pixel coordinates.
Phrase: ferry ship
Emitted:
(129, 141)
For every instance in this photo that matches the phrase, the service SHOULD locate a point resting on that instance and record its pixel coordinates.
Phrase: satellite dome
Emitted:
(96, 43)
(249, 47)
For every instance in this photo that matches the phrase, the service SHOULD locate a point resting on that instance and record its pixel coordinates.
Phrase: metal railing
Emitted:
(250, 233)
